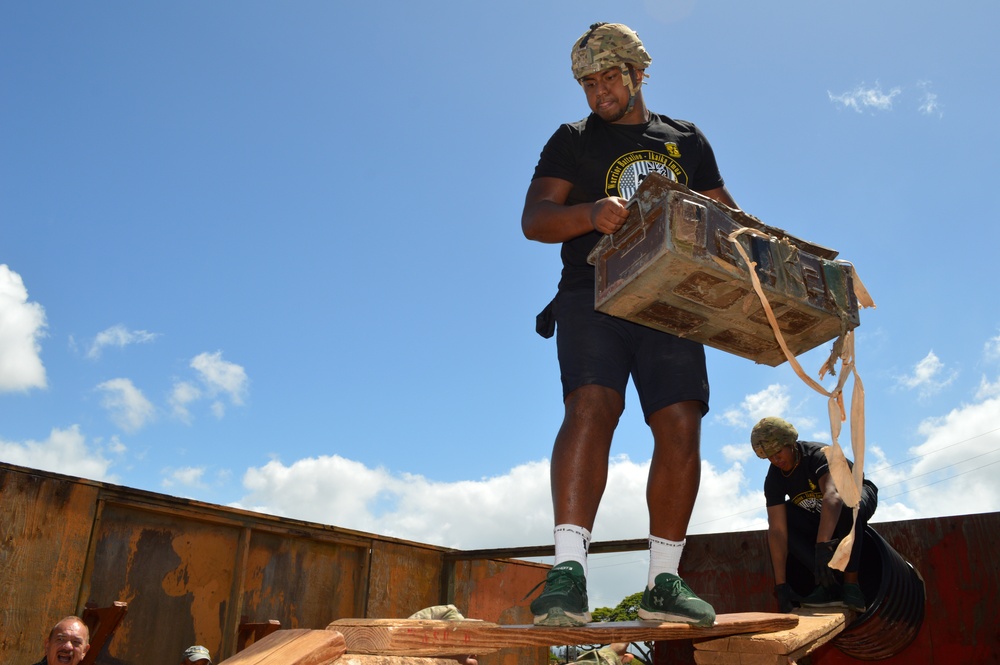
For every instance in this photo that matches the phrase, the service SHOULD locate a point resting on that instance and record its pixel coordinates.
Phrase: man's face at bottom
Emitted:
(68, 644)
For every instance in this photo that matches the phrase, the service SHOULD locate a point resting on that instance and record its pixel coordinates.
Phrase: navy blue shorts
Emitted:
(595, 348)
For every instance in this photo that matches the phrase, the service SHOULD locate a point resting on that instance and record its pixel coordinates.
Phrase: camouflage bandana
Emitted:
(772, 434)
(605, 656)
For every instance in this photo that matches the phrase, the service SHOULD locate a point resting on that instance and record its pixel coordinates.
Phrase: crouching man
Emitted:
(806, 517)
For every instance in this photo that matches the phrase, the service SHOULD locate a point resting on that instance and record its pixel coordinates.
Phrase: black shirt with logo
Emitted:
(604, 159)
(802, 484)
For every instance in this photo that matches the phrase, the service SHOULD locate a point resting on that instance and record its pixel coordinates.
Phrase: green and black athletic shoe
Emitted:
(853, 597)
(673, 600)
(563, 601)
(822, 596)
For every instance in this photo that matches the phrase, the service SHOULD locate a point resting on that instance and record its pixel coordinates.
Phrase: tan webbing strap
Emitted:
(848, 484)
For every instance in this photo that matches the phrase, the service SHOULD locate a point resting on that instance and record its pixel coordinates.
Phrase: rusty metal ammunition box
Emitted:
(673, 267)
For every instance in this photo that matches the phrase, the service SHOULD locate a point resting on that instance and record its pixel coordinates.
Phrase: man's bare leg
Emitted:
(671, 490)
(579, 474)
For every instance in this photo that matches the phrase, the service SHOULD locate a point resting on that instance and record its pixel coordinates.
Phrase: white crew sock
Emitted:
(572, 543)
(664, 557)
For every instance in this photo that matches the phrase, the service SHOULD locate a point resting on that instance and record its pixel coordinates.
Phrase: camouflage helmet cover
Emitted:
(607, 45)
(772, 434)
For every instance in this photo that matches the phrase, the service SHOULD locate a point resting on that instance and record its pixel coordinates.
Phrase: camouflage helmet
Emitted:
(607, 45)
(772, 434)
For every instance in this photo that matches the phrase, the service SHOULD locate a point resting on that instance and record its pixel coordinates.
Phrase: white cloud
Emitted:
(118, 336)
(928, 104)
(22, 324)
(991, 349)
(189, 476)
(987, 389)
(128, 407)
(465, 514)
(217, 377)
(772, 401)
(928, 376)
(183, 394)
(221, 376)
(953, 471)
(65, 451)
(866, 97)
(737, 453)
(116, 446)
(327, 489)
(218, 409)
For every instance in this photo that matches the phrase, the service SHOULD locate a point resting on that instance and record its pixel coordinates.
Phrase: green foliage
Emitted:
(626, 610)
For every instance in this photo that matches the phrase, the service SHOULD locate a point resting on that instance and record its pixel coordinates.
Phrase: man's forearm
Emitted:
(778, 544)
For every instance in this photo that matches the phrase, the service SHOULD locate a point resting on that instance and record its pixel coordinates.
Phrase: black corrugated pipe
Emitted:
(895, 595)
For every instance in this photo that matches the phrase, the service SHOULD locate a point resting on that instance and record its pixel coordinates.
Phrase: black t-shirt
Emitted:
(802, 484)
(603, 159)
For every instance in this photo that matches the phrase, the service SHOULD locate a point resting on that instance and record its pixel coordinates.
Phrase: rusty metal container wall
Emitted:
(48, 568)
(494, 591)
(163, 564)
(303, 581)
(673, 268)
(403, 580)
(189, 571)
(44, 535)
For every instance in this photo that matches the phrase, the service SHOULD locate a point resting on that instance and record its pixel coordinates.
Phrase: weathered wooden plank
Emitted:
(368, 659)
(404, 637)
(841, 621)
(814, 629)
(416, 637)
(293, 647)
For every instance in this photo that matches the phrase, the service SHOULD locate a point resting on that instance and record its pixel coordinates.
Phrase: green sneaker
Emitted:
(854, 598)
(822, 596)
(671, 599)
(563, 601)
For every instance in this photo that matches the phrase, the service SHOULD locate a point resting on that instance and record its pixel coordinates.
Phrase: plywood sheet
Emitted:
(814, 629)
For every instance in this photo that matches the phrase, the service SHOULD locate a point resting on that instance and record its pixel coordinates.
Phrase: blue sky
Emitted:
(269, 254)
